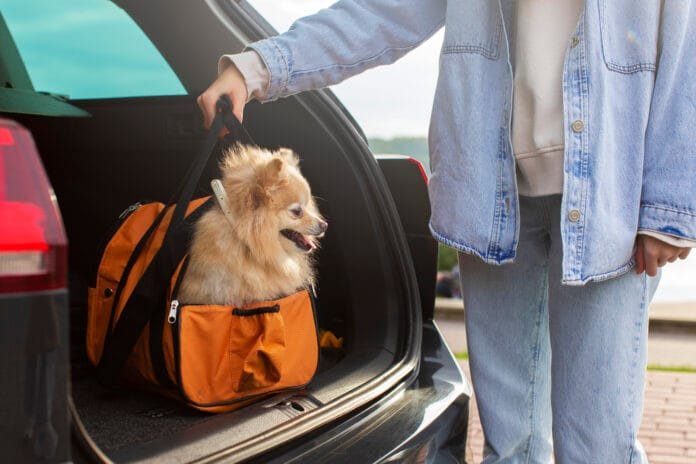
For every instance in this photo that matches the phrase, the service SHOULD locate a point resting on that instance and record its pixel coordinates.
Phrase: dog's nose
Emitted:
(323, 225)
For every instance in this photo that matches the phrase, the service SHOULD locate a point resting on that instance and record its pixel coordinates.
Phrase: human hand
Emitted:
(230, 82)
(652, 253)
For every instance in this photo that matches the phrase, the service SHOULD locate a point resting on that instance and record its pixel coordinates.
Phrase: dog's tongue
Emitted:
(312, 246)
(303, 243)
(299, 240)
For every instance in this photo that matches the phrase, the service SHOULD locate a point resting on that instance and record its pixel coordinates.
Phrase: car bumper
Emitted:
(425, 420)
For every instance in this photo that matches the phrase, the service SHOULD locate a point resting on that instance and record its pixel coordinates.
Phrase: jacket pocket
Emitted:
(629, 31)
(473, 26)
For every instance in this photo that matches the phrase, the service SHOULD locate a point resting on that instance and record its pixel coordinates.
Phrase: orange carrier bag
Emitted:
(215, 358)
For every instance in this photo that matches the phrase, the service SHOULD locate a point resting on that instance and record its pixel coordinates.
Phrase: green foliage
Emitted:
(446, 258)
(683, 369)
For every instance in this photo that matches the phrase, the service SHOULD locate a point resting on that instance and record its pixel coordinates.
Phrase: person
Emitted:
(562, 156)
(447, 283)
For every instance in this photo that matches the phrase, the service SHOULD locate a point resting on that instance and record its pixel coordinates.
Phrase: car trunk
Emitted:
(138, 149)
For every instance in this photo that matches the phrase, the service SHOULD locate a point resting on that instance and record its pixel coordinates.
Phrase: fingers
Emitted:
(238, 103)
(207, 102)
(231, 83)
(640, 259)
(207, 108)
(650, 257)
(652, 253)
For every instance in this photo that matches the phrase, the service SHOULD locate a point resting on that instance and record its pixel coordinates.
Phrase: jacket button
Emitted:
(578, 125)
(574, 215)
(574, 41)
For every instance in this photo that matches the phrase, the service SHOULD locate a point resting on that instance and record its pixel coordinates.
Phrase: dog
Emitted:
(256, 243)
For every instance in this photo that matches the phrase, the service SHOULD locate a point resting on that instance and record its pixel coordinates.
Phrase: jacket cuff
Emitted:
(276, 62)
(669, 239)
(668, 220)
(251, 67)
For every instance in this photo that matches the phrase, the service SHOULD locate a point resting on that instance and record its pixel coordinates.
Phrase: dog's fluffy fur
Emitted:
(264, 251)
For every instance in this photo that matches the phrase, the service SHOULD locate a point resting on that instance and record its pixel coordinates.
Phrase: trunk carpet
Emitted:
(115, 419)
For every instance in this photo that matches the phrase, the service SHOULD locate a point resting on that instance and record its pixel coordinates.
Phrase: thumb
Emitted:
(238, 100)
(238, 96)
(639, 256)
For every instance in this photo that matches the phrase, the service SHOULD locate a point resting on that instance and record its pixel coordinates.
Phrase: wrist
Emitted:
(251, 70)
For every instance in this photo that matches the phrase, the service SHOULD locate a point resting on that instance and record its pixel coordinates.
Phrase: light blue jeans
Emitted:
(549, 360)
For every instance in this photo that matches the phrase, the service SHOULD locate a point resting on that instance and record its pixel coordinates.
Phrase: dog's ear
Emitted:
(289, 156)
(269, 179)
(271, 171)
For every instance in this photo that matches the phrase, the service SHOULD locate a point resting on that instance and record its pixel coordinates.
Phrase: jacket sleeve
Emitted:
(343, 40)
(668, 203)
(251, 67)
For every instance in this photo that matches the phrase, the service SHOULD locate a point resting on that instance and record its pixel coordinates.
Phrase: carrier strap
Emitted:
(148, 301)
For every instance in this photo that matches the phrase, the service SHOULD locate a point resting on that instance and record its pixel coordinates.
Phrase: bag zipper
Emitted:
(173, 307)
(173, 319)
(110, 234)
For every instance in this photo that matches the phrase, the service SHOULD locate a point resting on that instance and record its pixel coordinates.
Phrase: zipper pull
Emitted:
(172, 311)
(129, 210)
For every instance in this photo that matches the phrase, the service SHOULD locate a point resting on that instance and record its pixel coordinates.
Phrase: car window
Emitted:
(87, 49)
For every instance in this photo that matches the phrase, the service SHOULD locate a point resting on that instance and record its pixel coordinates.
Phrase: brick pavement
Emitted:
(668, 430)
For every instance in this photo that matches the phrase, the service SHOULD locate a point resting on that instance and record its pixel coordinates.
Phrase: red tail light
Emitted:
(33, 245)
(420, 167)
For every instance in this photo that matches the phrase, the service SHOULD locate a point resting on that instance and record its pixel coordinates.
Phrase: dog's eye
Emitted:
(296, 211)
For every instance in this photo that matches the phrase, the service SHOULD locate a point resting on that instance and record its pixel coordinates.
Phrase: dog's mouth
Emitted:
(300, 241)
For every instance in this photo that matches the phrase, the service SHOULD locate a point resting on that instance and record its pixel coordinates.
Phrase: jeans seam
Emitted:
(535, 366)
(636, 347)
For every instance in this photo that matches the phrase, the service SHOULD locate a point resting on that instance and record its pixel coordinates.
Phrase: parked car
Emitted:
(101, 96)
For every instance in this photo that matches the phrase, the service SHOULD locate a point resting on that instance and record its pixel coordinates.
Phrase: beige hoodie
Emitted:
(545, 31)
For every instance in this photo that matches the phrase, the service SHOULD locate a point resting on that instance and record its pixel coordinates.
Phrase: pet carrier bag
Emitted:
(215, 358)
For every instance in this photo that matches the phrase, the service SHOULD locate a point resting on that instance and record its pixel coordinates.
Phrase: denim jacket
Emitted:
(629, 93)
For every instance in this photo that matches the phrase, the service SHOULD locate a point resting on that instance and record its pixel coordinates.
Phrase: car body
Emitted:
(394, 393)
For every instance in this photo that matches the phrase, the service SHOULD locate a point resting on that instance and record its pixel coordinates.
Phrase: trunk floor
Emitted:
(115, 419)
(118, 418)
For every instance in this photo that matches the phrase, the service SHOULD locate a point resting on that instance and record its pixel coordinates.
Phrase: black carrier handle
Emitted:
(237, 133)
(147, 303)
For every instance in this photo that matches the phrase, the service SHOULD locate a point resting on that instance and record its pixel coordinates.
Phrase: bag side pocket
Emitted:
(99, 302)
(257, 347)
(223, 356)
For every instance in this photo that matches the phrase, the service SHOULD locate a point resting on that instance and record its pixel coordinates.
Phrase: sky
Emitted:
(388, 101)
(397, 100)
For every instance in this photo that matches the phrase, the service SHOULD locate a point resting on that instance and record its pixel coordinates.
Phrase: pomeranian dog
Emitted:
(255, 243)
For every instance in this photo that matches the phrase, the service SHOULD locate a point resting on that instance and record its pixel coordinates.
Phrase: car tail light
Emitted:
(420, 167)
(33, 245)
